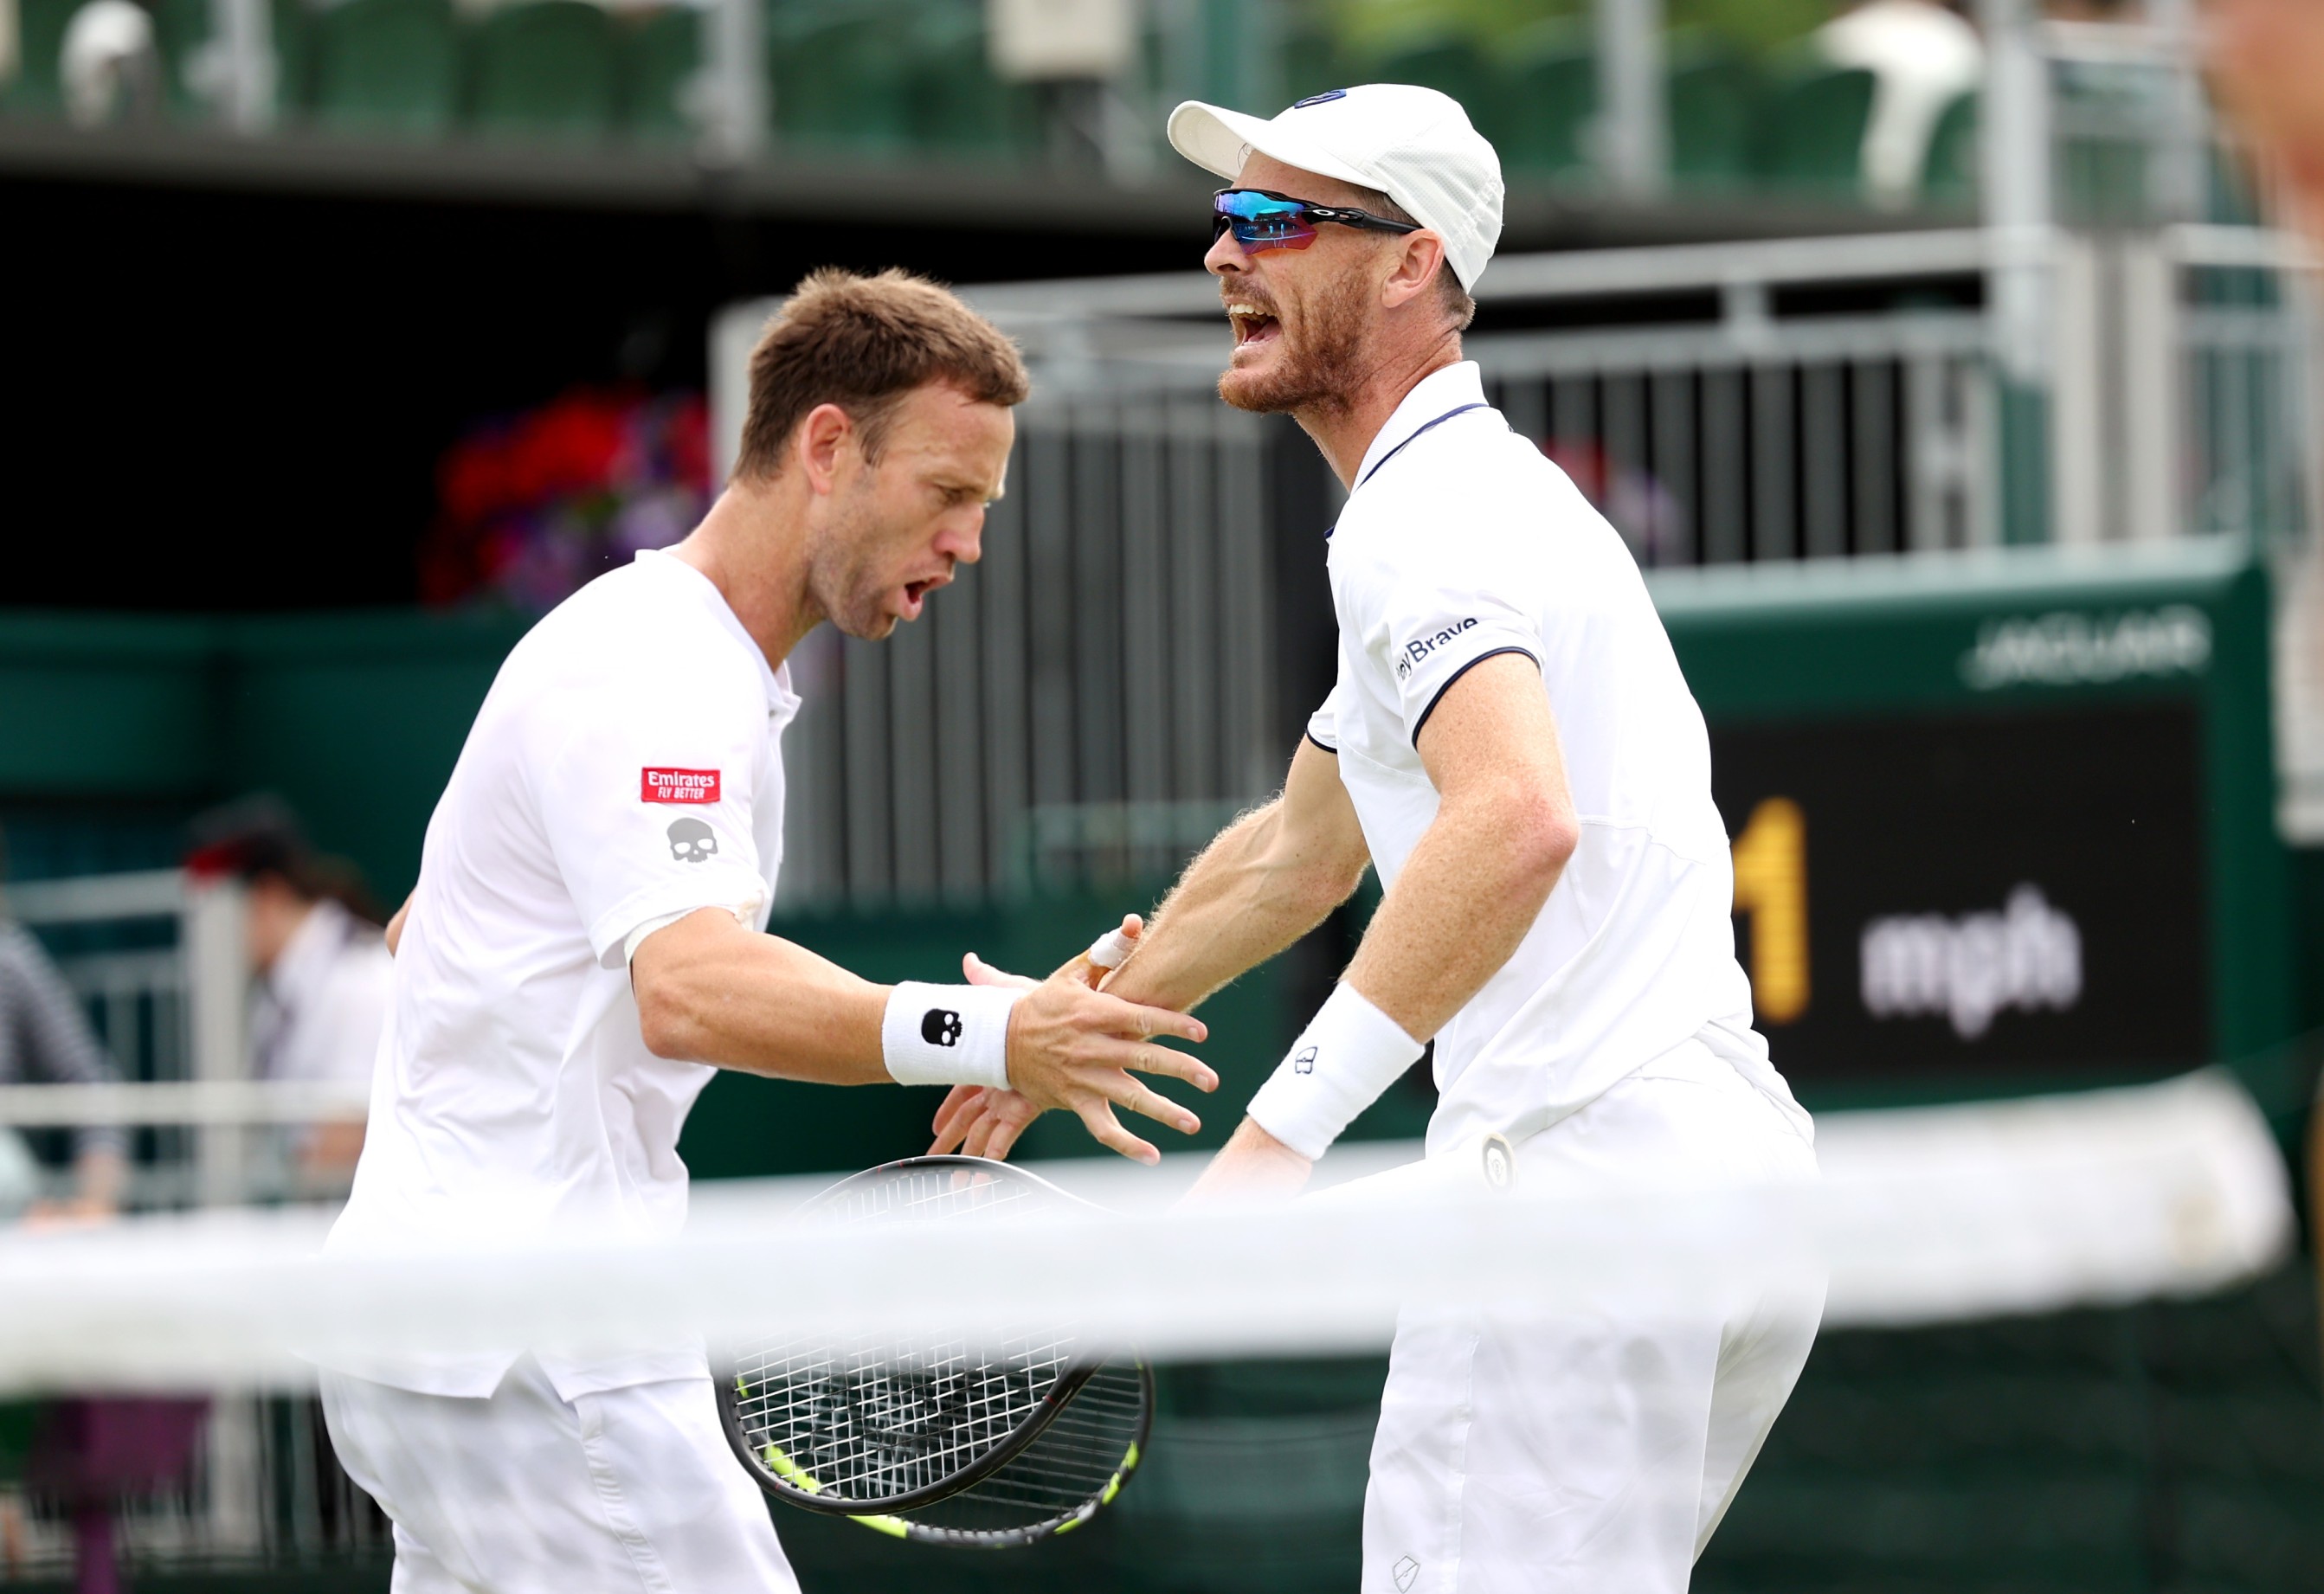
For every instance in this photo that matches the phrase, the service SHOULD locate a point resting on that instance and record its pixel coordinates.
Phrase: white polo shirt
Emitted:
(1459, 542)
(623, 768)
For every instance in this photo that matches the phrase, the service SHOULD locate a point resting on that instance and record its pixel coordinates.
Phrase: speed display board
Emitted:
(2004, 820)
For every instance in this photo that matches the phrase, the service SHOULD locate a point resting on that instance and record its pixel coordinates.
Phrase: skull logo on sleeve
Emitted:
(691, 840)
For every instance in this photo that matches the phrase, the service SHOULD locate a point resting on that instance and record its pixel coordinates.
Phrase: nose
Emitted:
(1225, 256)
(962, 539)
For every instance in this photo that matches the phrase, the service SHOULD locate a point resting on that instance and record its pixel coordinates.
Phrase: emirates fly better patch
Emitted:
(679, 786)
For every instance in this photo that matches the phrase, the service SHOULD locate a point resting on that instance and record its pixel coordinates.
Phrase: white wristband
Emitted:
(947, 1035)
(1347, 1056)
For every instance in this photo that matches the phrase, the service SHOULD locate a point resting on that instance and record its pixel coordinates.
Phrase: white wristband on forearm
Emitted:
(1347, 1056)
(947, 1035)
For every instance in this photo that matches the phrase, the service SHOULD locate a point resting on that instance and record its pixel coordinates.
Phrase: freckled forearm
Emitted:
(1466, 898)
(1246, 899)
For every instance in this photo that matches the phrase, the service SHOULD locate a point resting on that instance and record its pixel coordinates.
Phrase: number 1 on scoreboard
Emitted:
(1771, 885)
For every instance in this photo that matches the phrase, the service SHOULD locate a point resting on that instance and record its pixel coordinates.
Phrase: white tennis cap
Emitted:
(1413, 144)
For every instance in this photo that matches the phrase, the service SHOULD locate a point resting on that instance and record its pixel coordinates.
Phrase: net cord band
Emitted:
(947, 1035)
(1348, 1054)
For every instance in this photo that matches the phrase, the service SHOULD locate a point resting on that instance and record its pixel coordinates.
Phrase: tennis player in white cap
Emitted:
(1511, 744)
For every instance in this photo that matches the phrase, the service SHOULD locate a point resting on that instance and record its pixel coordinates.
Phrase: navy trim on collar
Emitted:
(1426, 426)
(1400, 448)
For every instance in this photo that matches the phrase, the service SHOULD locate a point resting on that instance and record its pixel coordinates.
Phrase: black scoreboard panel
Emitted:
(1970, 894)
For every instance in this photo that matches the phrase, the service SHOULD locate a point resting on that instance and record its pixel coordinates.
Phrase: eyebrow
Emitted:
(950, 484)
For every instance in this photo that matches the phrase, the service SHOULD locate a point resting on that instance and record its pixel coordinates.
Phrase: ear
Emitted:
(822, 436)
(1415, 269)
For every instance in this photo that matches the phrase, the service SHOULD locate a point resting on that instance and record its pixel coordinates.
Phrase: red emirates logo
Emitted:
(679, 786)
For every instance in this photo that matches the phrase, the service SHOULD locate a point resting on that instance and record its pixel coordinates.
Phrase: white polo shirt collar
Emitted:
(1436, 397)
(781, 698)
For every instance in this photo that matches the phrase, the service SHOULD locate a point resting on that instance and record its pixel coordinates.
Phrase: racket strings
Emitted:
(1063, 1474)
(881, 1417)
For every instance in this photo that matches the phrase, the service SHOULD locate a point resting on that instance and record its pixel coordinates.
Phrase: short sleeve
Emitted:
(646, 798)
(1323, 724)
(1441, 621)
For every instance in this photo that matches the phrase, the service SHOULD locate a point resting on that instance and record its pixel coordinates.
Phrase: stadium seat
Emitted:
(1815, 131)
(182, 28)
(386, 66)
(659, 54)
(1949, 168)
(543, 68)
(843, 76)
(1715, 109)
(1548, 100)
(294, 57)
(35, 90)
(959, 110)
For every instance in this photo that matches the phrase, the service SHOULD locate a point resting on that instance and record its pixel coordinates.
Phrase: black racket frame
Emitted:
(1011, 1538)
(1005, 1449)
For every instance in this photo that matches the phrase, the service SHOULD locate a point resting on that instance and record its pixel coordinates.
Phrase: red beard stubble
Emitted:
(1318, 370)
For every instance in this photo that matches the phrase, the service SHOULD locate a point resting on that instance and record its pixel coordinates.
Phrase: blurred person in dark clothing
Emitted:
(45, 1040)
(321, 967)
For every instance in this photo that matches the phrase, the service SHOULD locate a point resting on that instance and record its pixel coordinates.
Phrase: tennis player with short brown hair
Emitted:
(584, 945)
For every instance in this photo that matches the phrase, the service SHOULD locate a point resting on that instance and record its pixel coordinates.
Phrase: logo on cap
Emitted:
(1316, 99)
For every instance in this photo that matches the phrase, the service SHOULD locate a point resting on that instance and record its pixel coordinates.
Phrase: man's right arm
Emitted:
(1267, 881)
(710, 991)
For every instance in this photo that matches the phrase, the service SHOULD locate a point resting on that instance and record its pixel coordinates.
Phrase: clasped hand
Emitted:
(1074, 1048)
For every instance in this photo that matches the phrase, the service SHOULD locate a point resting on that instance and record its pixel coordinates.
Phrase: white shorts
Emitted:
(527, 1493)
(1589, 1453)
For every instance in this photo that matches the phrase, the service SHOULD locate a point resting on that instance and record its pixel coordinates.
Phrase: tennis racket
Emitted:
(929, 1437)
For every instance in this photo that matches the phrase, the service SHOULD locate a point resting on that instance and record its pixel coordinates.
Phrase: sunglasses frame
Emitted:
(1309, 211)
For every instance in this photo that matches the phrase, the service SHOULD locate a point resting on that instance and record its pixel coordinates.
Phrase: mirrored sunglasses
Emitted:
(1263, 220)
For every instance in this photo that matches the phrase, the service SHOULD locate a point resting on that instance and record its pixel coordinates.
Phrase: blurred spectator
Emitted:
(2267, 67)
(1922, 56)
(45, 1040)
(109, 67)
(320, 965)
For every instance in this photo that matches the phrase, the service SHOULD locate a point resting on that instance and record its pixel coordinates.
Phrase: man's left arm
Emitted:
(1505, 826)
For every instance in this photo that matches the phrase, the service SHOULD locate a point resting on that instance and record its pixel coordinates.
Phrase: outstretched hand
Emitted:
(981, 1120)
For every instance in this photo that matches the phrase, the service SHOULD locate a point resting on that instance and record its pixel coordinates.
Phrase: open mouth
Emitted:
(915, 596)
(1251, 325)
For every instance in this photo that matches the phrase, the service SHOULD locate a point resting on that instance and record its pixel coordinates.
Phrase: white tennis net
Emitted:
(1922, 1215)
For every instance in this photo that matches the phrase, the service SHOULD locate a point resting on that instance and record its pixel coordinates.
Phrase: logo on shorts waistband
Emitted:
(678, 786)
